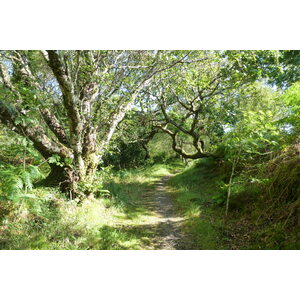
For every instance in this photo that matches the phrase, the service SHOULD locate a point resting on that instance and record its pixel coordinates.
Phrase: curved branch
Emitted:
(177, 149)
(70, 101)
(46, 146)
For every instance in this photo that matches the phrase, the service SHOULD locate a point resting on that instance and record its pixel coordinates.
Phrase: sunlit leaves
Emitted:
(16, 180)
(256, 130)
(291, 98)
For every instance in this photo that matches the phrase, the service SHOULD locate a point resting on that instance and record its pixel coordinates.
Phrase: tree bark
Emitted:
(79, 82)
(198, 154)
(58, 176)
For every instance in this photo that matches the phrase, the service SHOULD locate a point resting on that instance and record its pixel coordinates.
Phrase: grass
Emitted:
(195, 191)
(123, 221)
(127, 219)
(260, 217)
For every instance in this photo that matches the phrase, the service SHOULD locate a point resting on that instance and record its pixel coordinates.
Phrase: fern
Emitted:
(26, 179)
(15, 180)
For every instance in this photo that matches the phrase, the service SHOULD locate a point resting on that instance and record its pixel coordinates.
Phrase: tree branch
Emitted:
(196, 155)
(47, 147)
(55, 126)
(69, 99)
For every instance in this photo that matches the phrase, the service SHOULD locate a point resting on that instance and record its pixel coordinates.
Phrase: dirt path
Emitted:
(169, 223)
(158, 225)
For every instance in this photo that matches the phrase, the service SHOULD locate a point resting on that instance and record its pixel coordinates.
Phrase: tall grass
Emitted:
(50, 221)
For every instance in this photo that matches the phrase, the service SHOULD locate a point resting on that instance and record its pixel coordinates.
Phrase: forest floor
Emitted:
(160, 212)
(148, 208)
(158, 207)
(140, 214)
(155, 207)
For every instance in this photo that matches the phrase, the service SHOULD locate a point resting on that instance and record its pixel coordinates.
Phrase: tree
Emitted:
(290, 122)
(69, 103)
(255, 133)
(192, 102)
(129, 147)
(280, 68)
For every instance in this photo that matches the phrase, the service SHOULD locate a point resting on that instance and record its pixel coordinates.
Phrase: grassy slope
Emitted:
(262, 215)
(195, 190)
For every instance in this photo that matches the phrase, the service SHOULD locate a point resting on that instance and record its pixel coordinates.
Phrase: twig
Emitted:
(230, 182)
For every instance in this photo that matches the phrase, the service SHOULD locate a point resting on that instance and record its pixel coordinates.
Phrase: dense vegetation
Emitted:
(87, 136)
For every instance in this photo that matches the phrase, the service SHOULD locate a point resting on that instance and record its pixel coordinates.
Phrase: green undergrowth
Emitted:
(126, 185)
(196, 190)
(264, 205)
(263, 209)
(48, 220)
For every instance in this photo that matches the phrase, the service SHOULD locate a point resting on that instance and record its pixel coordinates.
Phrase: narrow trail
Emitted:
(159, 225)
(169, 234)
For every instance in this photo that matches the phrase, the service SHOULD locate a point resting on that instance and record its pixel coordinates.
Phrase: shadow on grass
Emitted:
(133, 190)
(133, 198)
(123, 238)
(133, 237)
(137, 237)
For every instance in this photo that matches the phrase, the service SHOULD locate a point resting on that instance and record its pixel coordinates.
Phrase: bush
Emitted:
(17, 180)
(125, 156)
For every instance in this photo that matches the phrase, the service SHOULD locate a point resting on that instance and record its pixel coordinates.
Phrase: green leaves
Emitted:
(256, 130)
(16, 180)
(56, 159)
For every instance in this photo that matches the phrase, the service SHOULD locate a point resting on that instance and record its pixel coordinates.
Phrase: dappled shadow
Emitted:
(133, 198)
(133, 191)
(170, 228)
(152, 236)
(163, 229)
(144, 219)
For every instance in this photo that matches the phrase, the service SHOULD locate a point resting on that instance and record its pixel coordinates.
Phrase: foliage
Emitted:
(70, 103)
(106, 125)
(279, 68)
(197, 193)
(17, 180)
(265, 202)
(256, 130)
(48, 221)
(193, 103)
(160, 149)
(290, 122)
(125, 155)
(264, 206)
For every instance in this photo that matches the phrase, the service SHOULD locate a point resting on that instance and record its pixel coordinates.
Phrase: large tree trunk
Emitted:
(88, 84)
(58, 176)
(70, 179)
